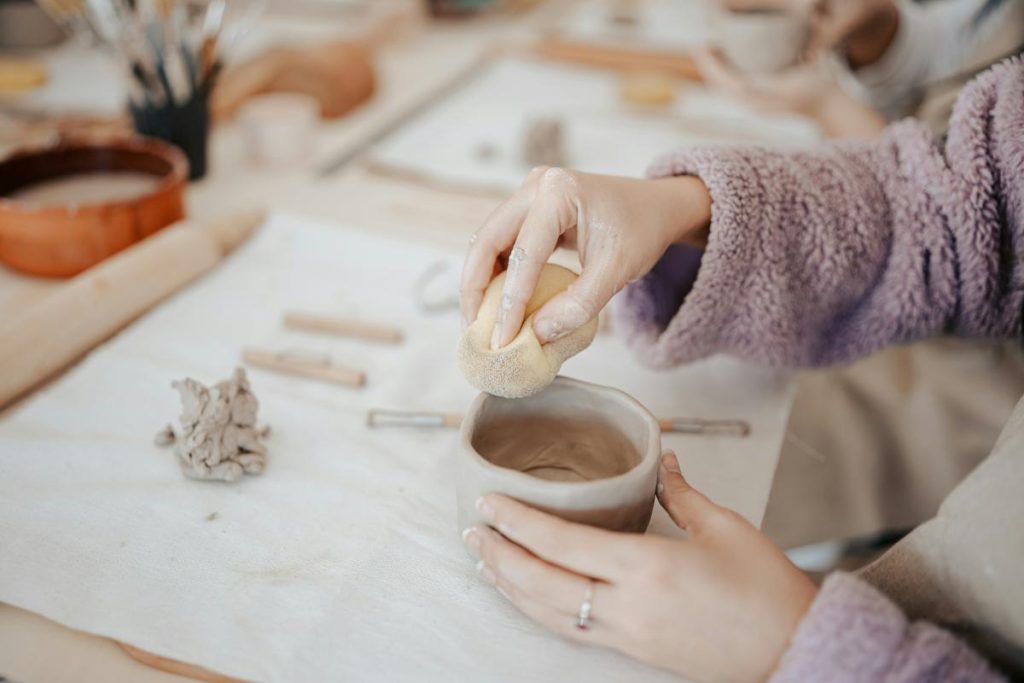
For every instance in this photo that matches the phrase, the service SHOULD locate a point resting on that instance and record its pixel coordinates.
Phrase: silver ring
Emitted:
(583, 617)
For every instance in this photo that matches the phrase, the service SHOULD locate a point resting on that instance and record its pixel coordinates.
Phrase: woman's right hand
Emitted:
(620, 227)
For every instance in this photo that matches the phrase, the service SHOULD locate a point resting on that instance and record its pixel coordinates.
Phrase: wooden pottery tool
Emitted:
(342, 327)
(674, 425)
(50, 226)
(678, 64)
(175, 667)
(301, 364)
(91, 307)
(409, 418)
(19, 75)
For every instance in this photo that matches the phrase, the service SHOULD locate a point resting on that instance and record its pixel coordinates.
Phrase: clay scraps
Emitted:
(218, 437)
(544, 143)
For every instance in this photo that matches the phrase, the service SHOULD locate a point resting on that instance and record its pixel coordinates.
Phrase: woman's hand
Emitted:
(802, 89)
(720, 606)
(809, 89)
(620, 226)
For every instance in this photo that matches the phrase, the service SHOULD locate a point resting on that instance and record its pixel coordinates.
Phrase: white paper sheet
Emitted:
(602, 134)
(342, 562)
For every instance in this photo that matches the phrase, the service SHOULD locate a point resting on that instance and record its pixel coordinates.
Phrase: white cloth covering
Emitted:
(341, 561)
(602, 133)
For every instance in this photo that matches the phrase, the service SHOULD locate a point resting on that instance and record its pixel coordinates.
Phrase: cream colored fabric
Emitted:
(964, 568)
(877, 445)
(523, 367)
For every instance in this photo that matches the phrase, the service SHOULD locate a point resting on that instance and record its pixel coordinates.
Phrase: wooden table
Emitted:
(412, 69)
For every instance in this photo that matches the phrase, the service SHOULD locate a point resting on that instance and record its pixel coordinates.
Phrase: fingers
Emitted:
(549, 217)
(582, 549)
(497, 235)
(547, 594)
(687, 507)
(717, 73)
(536, 579)
(554, 620)
(579, 303)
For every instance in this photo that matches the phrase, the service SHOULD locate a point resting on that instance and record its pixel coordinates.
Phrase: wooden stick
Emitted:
(341, 327)
(404, 418)
(175, 667)
(696, 425)
(622, 59)
(288, 364)
(91, 307)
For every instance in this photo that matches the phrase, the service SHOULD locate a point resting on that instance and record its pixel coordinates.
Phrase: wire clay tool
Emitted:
(677, 425)
(302, 364)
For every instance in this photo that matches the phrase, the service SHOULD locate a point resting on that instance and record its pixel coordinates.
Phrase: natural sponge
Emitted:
(524, 367)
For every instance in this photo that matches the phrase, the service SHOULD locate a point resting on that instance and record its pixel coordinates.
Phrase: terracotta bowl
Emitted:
(61, 240)
(621, 503)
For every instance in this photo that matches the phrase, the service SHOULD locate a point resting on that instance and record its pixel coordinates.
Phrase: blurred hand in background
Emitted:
(811, 89)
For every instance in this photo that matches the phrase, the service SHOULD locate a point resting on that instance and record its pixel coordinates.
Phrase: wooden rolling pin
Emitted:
(91, 307)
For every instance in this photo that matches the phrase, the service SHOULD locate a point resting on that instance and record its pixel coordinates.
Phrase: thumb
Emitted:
(684, 504)
(574, 307)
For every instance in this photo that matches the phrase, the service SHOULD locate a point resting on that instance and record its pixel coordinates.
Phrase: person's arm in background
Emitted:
(812, 90)
(823, 256)
(899, 47)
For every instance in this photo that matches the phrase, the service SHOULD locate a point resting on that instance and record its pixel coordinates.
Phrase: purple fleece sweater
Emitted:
(825, 255)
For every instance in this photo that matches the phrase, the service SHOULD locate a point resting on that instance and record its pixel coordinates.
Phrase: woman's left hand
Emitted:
(720, 606)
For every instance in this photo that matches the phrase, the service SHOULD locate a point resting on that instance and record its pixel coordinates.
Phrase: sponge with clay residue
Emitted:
(523, 367)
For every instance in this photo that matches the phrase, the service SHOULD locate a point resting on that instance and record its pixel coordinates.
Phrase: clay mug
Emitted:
(623, 502)
(759, 42)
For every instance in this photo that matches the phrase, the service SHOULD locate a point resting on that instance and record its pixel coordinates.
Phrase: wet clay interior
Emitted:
(566, 441)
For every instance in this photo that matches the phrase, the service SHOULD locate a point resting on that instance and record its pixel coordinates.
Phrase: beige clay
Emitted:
(557, 448)
(523, 367)
(544, 143)
(218, 437)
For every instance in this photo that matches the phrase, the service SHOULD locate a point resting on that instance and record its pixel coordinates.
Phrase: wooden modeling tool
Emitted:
(301, 364)
(341, 327)
(676, 425)
(175, 667)
(678, 64)
(92, 306)
(405, 418)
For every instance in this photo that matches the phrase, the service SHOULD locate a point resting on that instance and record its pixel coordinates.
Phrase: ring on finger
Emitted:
(583, 616)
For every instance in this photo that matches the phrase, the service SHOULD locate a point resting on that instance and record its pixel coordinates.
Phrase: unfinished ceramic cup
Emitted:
(581, 451)
(760, 42)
